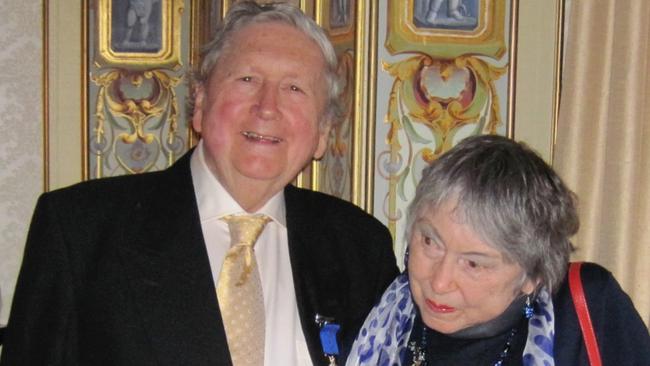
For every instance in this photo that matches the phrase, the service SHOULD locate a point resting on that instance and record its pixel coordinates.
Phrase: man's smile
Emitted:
(260, 138)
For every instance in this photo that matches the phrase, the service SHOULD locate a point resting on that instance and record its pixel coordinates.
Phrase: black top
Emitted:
(445, 350)
(622, 336)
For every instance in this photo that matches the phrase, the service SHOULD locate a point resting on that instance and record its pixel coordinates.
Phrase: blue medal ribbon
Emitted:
(328, 339)
(328, 330)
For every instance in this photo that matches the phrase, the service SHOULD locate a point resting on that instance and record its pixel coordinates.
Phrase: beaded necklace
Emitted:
(420, 351)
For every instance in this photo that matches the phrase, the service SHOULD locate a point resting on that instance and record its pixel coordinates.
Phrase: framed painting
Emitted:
(454, 27)
(337, 17)
(139, 33)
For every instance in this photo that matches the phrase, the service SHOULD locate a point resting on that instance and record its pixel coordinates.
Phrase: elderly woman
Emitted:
(486, 275)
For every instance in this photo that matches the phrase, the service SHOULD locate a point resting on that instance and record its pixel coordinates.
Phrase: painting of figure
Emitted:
(136, 26)
(446, 14)
(340, 13)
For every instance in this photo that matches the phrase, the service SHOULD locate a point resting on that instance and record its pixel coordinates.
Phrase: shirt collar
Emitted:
(213, 199)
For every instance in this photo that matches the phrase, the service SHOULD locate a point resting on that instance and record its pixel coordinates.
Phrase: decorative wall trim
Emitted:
(85, 153)
(512, 71)
(559, 60)
(132, 86)
(45, 91)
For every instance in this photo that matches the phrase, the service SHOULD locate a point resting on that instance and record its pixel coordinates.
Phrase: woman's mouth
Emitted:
(439, 308)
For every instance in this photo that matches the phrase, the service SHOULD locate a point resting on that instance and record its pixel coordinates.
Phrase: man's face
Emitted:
(259, 112)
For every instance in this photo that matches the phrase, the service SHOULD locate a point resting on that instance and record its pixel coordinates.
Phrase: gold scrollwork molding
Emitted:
(136, 119)
(430, 103)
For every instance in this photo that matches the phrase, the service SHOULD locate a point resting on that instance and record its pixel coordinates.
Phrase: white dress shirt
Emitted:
(284, 340)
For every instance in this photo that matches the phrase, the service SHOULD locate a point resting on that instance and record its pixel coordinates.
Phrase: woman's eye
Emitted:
(427, 240)
(295, 88)
(432, 243)
(247, 78)
(473, 265)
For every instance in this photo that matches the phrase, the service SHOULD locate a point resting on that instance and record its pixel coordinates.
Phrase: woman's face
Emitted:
(457, 279)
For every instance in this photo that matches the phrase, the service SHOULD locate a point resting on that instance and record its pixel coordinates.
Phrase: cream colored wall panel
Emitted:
(65, 94)
(21, 140)
(537, 74)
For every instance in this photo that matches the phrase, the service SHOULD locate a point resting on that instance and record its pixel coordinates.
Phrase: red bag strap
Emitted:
(578, 295)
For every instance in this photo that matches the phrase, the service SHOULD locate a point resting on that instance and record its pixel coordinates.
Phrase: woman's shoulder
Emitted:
(595, 274)
(616, 322)
(599, 284)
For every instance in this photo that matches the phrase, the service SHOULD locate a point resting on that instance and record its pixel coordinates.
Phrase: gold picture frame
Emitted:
(307, 6)
(140, 34)
(335, 172)
(480, 32)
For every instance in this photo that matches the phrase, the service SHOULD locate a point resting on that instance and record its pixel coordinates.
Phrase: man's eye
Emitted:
(295, 88)
(247, 78)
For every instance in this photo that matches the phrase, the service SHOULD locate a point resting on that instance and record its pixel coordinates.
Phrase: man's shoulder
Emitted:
(103, 186)
(129, 185)
(319, 212)
(323, 205)
(111, 197)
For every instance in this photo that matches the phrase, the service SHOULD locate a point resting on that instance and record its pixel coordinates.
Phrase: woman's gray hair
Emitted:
(510, 197)
(245, 13)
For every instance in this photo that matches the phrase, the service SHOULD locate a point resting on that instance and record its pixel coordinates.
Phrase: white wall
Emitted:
(21, 136)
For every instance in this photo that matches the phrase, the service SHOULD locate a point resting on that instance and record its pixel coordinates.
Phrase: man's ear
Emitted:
(197, 113)
(323, 139)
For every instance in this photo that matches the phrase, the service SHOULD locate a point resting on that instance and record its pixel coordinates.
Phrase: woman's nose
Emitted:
(442, 279)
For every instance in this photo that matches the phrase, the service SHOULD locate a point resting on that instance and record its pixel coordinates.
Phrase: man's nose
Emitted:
(267, 103)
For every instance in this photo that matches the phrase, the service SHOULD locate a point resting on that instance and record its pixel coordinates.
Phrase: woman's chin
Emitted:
(444, 326)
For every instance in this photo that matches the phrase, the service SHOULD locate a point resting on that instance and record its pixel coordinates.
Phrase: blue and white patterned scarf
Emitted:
(384, 335)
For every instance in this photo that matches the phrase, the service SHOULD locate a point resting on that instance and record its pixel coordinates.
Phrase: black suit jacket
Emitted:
(115, 272)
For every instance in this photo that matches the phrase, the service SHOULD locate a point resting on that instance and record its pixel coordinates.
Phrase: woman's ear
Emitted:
(529, 286)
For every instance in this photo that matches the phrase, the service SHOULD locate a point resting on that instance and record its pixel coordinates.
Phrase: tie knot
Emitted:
(245, 229)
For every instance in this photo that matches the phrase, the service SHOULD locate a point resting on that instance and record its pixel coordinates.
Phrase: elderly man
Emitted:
(160, 268)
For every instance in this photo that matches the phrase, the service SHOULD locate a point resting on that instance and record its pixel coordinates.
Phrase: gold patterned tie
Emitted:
(239, 290)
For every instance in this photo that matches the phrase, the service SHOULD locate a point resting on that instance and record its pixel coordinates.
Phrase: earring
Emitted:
(528, 308)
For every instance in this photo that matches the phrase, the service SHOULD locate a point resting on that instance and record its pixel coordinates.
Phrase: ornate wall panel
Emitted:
(136, 87)
(445, 75)
(334, 173)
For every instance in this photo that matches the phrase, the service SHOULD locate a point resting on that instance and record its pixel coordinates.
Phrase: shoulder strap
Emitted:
(578, 295)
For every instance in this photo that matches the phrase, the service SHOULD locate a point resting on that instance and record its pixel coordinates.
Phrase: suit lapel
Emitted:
(316, 272)
(169, 274)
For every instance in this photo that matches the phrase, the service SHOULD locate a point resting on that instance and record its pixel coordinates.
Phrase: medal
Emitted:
(328, 331)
